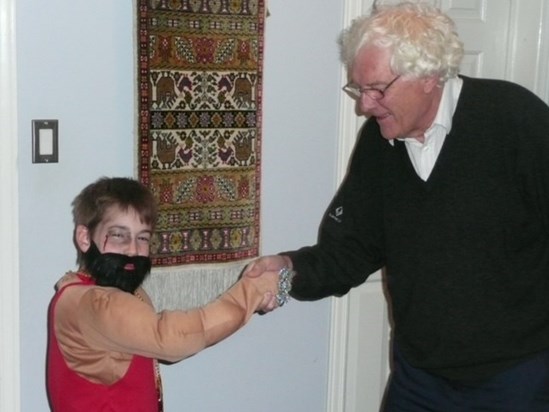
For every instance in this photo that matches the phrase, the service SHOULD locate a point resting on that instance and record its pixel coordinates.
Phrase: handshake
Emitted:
(272, 275)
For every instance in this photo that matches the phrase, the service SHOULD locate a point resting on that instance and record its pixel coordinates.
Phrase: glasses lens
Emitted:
(356, 92)
(373, 94)
(352, 90)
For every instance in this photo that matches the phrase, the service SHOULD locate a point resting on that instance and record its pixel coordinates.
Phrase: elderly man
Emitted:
(448, 189)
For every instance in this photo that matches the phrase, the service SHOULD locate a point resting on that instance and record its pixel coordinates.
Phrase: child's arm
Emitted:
(113, 320)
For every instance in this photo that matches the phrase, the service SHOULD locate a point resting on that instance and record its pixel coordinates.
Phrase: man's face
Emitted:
(407, 108)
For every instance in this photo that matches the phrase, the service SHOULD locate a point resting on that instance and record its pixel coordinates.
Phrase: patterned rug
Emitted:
(199, 74)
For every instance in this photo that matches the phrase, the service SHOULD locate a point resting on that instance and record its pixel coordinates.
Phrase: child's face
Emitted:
(122, 232)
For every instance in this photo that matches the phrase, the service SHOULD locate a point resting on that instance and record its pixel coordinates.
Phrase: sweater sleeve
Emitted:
(112, 320)
(350, 243)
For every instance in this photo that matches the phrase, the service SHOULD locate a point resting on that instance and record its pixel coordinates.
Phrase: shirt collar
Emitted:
(446, 108)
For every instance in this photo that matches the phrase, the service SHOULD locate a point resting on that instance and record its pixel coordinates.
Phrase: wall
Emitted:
(75, 64)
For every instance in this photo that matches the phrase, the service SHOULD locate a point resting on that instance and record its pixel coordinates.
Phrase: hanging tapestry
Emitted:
(199, 134)
(199, 74)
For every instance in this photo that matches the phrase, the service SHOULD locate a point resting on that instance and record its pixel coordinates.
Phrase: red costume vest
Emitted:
(69, 392)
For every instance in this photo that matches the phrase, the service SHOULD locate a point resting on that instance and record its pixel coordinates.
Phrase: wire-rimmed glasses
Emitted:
(355, 91)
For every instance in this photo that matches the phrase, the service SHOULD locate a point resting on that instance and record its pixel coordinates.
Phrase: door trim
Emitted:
(348, 125)
(542, 83)
(9, 222)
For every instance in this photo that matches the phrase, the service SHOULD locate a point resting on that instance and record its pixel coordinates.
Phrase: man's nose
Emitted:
(365, 104)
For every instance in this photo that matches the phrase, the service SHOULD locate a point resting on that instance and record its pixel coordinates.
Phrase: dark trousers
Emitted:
(522, 388)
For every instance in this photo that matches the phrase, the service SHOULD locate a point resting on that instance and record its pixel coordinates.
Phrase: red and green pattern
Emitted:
(199, 139)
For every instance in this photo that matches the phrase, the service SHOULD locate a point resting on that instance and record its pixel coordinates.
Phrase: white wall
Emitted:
(75, 64)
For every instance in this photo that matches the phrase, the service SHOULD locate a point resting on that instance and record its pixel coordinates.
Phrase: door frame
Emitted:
(9, 221)
(348, 125)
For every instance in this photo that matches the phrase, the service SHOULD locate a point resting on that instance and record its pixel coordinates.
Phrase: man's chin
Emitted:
(388, 133)
(389, 136)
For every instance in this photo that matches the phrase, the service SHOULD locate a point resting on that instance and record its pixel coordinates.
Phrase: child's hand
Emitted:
(268, 303)
(267, 285)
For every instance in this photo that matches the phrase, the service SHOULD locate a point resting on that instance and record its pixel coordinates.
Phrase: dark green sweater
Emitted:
(467, 252)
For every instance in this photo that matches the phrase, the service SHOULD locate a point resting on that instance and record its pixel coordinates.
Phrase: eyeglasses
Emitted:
(355, 91)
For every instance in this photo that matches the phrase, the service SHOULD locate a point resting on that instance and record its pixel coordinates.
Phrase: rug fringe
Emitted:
(187, 287)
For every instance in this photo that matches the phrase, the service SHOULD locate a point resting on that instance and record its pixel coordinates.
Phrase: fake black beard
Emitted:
(111, 269)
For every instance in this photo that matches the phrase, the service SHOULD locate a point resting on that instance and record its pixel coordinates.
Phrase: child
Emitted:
(104, 334)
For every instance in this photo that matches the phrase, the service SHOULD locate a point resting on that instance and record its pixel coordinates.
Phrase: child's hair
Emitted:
(90, 206)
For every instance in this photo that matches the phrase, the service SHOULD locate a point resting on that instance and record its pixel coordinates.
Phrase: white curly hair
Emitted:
(423, 40)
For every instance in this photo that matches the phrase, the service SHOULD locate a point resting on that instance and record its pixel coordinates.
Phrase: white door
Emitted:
(506, 39)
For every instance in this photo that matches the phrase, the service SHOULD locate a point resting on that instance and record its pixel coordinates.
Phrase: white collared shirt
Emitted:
(423, 155)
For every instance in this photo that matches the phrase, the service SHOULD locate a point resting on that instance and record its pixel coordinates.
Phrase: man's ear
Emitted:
(83, 238)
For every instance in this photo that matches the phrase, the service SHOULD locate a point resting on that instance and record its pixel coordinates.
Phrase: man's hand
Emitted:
(264, 265)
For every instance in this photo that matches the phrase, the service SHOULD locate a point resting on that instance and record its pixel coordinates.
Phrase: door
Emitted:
(506, 39)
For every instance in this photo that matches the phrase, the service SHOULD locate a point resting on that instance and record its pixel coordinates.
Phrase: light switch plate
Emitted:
(45, 141)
